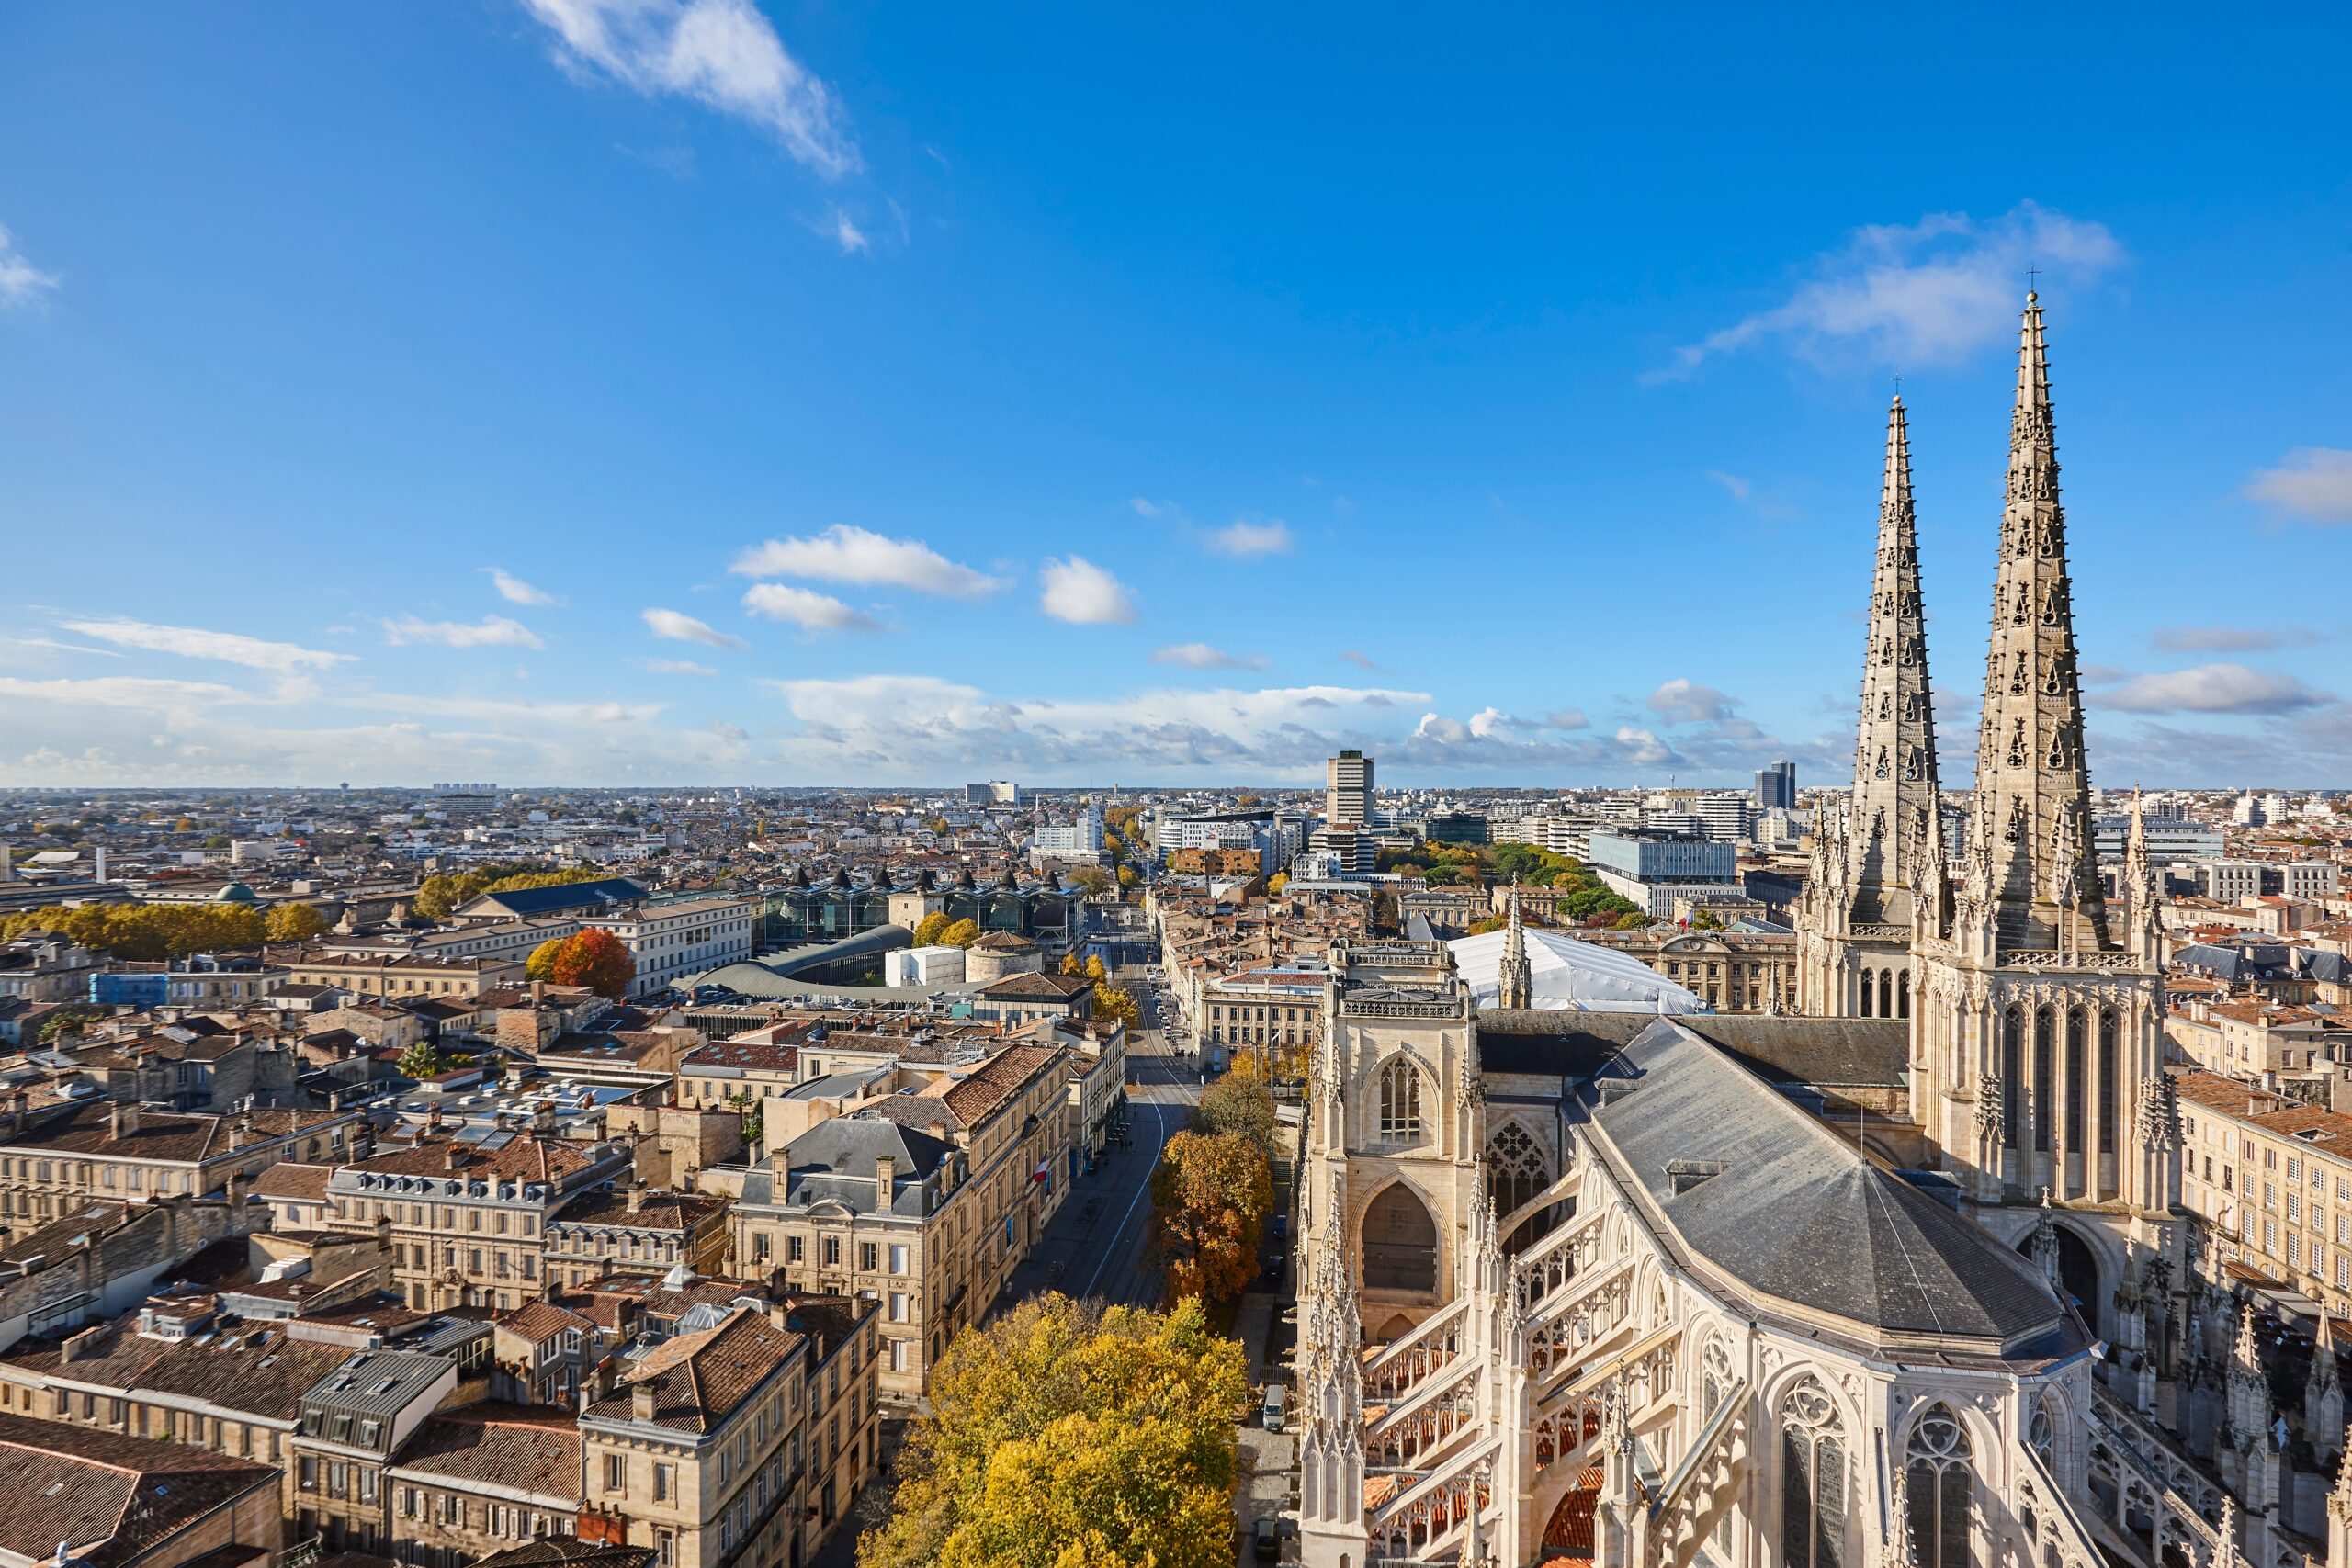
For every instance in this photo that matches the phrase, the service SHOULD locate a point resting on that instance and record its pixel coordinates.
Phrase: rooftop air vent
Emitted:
(1682, 1175)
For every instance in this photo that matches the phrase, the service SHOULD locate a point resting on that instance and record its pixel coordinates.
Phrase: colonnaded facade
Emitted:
(1609, 1287)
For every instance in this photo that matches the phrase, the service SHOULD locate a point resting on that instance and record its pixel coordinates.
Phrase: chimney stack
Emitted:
(122, 1120)
(640, 1401)
(886, 1177)
(636, 1197)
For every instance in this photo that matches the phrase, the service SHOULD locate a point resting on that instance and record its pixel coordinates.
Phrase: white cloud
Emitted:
(2211, 688)
(128, 692)
(1680, 701)
(1082, 594)
(21, 283)
(1740, 489)
(681, 627)
(1915, 294)
(491, 631)
(805, 608)
(1154, 509)
(1249, 539)
(1645, 749)
(846, 234)
(1568, 719)
(674, 667)
(191, 642)
(2229, 640)
(844, 553)
(721, 53)
(1200, 656)
(2310, 481)
(1361, 661)
(515, 590)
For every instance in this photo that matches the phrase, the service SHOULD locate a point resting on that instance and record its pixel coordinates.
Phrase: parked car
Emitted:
(1273, 1409)
(1266, 1541)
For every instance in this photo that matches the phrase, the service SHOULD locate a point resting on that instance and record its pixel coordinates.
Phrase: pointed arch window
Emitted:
(1935, 1490)
(1715, 1378)
(1400, 1102)
(1813, 1479)
(2110, 1070)
(1515, 1168)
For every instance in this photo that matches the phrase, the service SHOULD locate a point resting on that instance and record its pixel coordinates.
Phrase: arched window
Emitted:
(2045, 1049)
(1870, 994)
(1935, 1488)
(2110, 1076)
(2012, 1075)
(2077, 1077)
(1886, 993)
(1902, 995)
(1715, 1378)
(1400, 1102)
(1515, 1168)
(1813, 1479)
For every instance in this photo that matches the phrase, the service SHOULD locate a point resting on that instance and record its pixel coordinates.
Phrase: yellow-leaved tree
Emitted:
(1062, 1436)
(1210, 1197)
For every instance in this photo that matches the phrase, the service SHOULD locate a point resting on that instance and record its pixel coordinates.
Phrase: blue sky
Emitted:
(681, 390)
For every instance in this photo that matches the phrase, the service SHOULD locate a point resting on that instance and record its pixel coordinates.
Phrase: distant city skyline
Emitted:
(855, 404)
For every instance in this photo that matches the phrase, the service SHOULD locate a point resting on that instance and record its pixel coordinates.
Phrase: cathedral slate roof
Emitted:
(1765, 1193)
(1835, 1053)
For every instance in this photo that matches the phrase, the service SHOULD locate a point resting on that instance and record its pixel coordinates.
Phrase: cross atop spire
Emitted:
(1895, 794)
(2032, 804)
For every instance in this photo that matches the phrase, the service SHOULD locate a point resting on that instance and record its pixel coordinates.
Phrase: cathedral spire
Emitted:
(1515, 982)
(1894, 800)
(2032, 805)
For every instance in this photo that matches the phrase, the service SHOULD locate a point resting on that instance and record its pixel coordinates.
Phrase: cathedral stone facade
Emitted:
(1612, 1287)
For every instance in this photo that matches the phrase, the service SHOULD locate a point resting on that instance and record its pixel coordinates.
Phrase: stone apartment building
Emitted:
(635, 1230)
(699, 1450)
(2272, 1180)
(353, 1421)
(67, 1154)
(922, 1203)
(483, 1479)
(42, 966)
(396, 974)
(468, 1222)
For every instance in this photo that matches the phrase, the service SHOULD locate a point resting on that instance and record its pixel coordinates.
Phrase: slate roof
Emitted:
(88, 1129)
(834, 1161)
(565, 896)
(111, 1498)
(1841, 1053)
(1793, 1212)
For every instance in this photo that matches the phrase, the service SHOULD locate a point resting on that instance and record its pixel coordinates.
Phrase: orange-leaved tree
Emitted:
(596, 958)
(1210, 1197)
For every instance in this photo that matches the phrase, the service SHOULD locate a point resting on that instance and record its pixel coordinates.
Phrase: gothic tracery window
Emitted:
(1400, 1102)
(1813, 1479)
(1935, 1487)
(1515, 1168)
(1714, 1377)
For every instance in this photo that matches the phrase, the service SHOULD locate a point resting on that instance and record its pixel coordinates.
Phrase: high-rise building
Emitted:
(1347, 791)
(1776, 786)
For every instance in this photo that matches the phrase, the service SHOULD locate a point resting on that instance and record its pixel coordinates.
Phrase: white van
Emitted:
(1273, 1411)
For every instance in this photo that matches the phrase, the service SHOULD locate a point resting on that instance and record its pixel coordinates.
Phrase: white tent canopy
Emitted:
(1571, 976)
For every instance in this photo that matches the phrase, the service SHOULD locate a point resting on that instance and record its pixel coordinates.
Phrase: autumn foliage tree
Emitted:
(295, 922)
(962, 933)
(1238, 1104)
(1210, 1196)
(145, 932)
(928, 930)
(540, 965)
(596, 958)
(1062, 1436)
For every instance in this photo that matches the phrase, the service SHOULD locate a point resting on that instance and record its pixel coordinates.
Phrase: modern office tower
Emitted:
(1347, 792)
(1776, 786)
